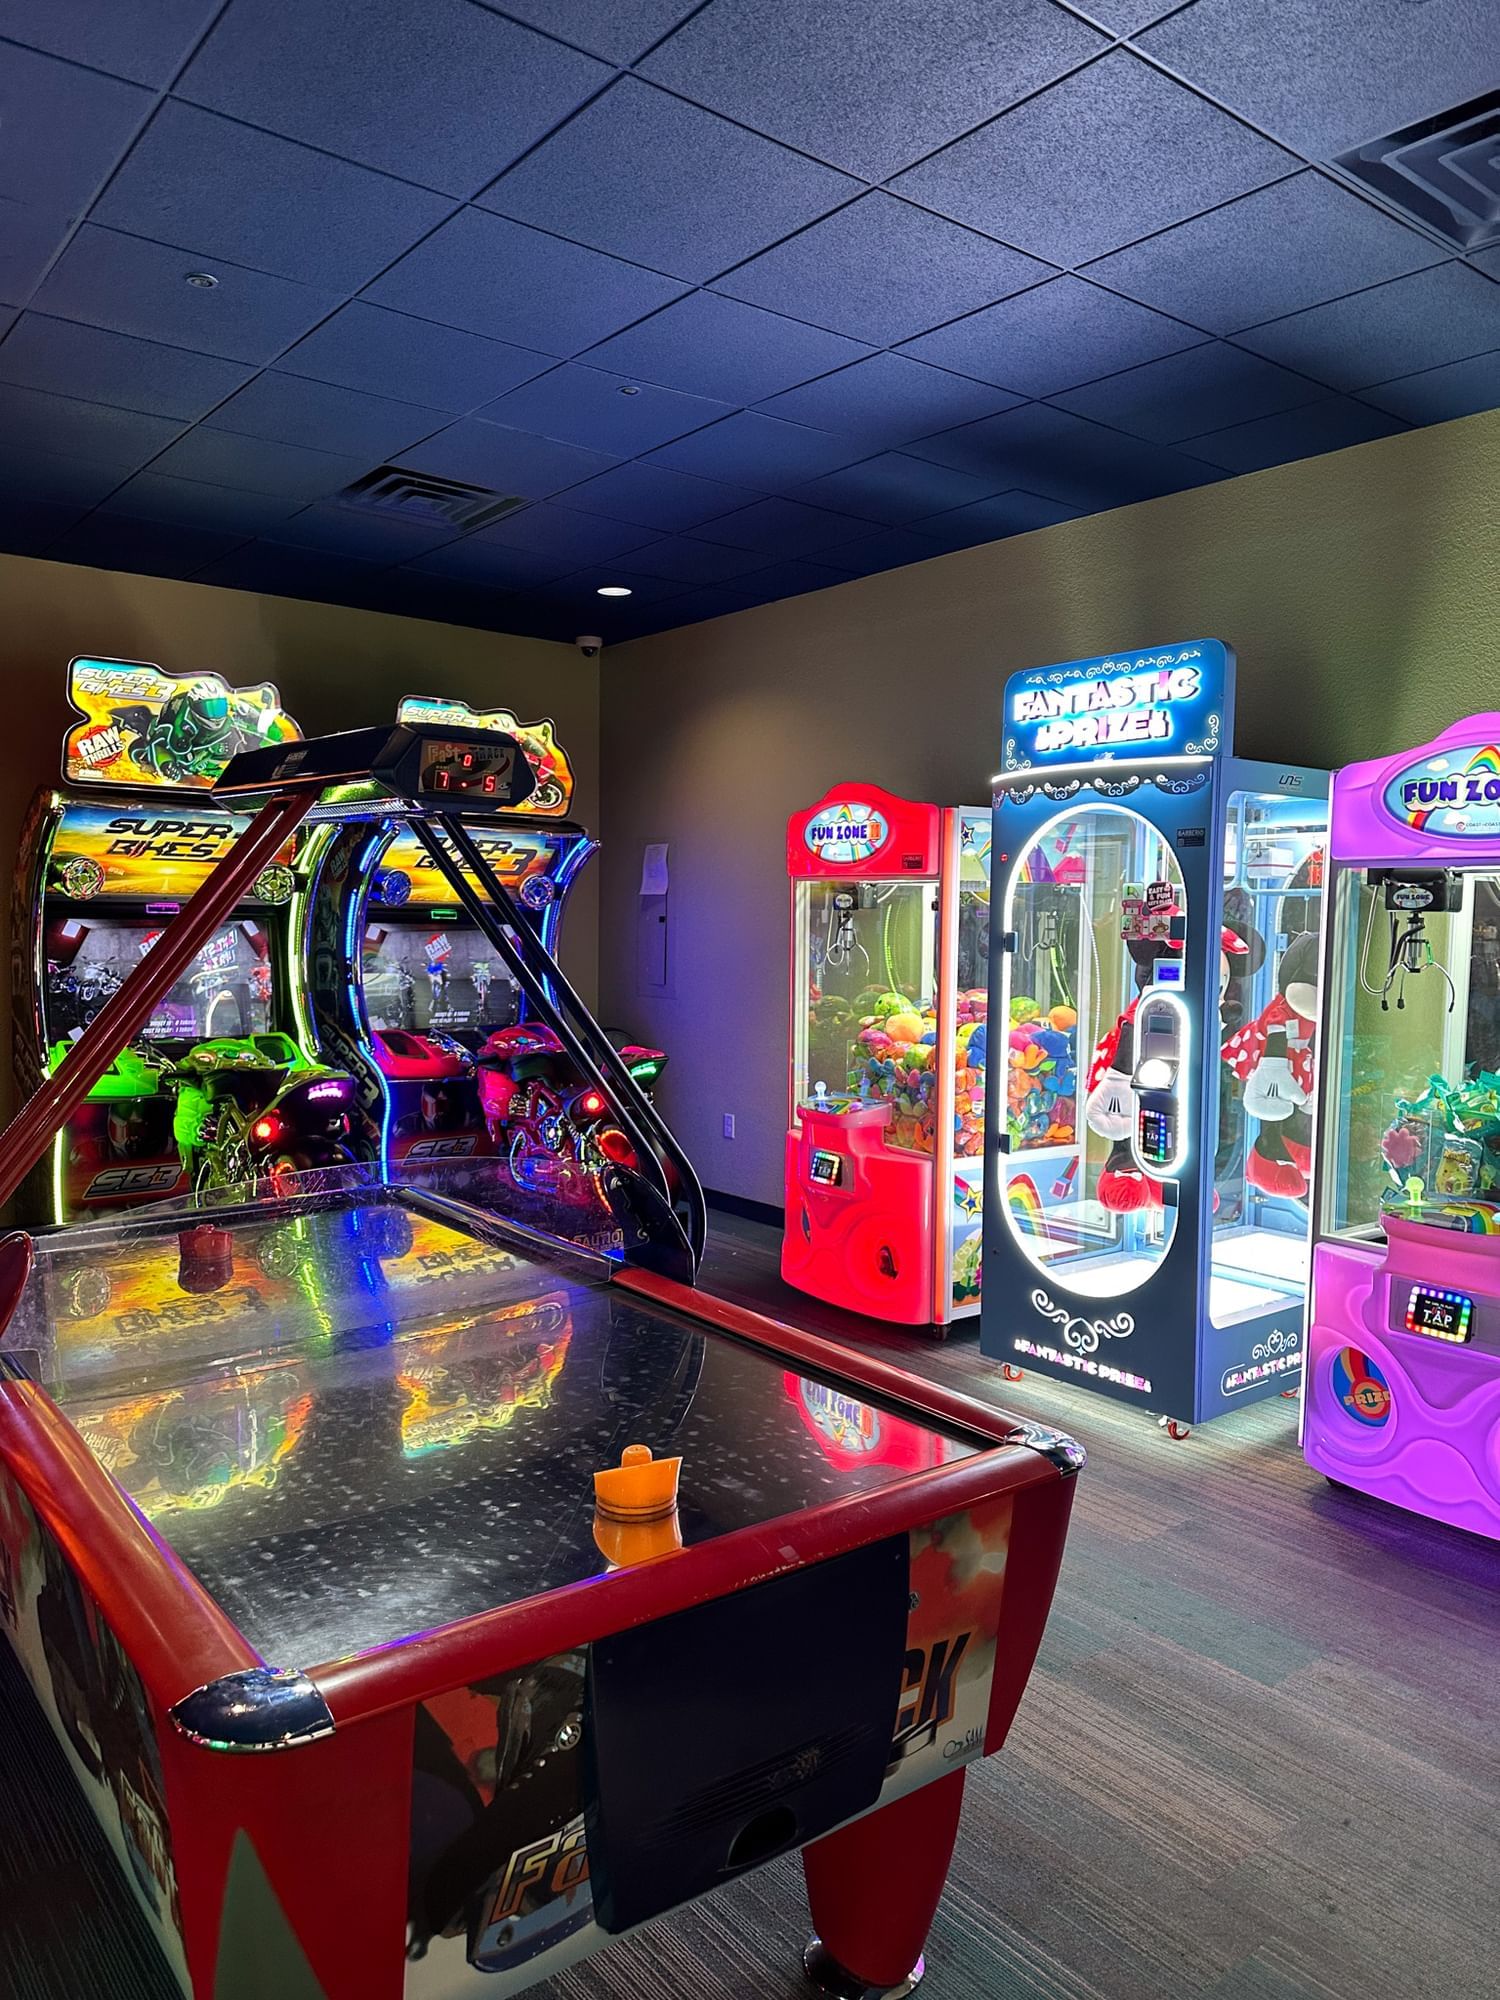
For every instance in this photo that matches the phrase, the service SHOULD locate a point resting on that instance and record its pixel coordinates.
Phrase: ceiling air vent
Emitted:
(422, 496)
(1443, 172)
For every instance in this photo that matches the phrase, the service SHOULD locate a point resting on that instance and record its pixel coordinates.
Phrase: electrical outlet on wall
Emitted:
(728, 1124)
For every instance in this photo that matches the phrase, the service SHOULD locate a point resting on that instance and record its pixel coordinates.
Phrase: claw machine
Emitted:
(1146, 1231)
(1402, 1394)
(885, 1146)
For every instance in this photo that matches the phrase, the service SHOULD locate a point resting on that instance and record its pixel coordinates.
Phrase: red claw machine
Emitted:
(885, 1151)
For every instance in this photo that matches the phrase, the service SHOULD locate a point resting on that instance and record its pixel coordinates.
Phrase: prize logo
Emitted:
(1361, 1388)
(852, 831)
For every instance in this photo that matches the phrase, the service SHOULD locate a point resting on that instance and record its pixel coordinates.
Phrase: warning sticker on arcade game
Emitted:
(144, 727)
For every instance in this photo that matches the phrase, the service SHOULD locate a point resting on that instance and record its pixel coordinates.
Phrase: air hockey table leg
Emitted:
(873, 1888)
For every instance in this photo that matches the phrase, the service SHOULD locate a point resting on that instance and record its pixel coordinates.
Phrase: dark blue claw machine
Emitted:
(1153, 970)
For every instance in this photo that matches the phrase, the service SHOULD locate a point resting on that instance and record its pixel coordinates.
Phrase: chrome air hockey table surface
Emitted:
(392, 1662)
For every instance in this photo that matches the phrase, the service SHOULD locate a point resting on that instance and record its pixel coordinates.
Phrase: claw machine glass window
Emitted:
(1096, 900)
(1273, 852)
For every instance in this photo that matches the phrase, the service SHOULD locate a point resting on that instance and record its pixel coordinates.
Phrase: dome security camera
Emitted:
(589, 644)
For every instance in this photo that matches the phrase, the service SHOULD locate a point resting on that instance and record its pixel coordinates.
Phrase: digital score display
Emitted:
(826, 1169)
(1440, 1314)
(467, 770)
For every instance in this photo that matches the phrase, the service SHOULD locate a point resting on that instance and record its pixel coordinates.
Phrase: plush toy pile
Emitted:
(1041, 1074)
(1445, 1144)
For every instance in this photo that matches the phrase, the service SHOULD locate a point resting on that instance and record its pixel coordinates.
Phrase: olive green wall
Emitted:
(335, 668)
(1360, 590)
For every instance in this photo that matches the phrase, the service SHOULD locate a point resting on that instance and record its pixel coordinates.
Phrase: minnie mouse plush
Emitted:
(1273, 1057)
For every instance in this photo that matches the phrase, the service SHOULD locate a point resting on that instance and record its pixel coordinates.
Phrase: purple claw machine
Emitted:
(1402, 1386)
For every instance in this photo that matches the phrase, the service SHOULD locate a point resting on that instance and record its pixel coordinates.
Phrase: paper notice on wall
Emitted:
(654, 869)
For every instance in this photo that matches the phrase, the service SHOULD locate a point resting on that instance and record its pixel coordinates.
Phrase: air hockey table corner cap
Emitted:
(259, 1708)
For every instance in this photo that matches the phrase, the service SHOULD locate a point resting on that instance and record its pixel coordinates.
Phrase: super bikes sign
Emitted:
(143, 727)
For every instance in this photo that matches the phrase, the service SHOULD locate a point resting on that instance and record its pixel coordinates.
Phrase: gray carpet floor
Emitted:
(1258, 1760)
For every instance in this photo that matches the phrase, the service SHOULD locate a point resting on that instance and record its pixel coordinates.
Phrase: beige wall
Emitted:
(335, 668)
(1360, 590)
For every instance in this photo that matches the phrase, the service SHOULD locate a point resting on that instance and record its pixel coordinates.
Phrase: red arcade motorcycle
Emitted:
(557, 1134)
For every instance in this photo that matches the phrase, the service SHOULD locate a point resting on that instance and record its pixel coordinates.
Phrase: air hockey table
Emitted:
(380, 1691)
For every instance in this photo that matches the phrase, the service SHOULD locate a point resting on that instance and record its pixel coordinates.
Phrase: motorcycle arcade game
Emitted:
(1402, 1391)
(216, 1077)
(507, 1688)
(885, 1146)
(1158, 904)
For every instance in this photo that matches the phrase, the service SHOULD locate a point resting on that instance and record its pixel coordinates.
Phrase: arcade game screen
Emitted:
(436, 977)
(227, 992)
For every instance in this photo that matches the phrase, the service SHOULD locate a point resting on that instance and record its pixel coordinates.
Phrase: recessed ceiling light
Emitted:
(629, 389)
(614, 590)
(204, 280)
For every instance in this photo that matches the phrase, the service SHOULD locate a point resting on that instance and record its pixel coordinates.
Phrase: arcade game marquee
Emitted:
(216, 1073)
(890, 958)
(1401, 1397)
(1149, 1227)
(430, 1700)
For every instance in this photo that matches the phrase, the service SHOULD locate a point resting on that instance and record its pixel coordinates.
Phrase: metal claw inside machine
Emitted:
(885, 1147)
(1153, 989)
(1402, 1395)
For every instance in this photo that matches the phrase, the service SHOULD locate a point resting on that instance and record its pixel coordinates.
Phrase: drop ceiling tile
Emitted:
(282, 572)
(33, 422)
(496, 277)
(1064, 457)
(1014, 513)
(583, 405)
(144, 41)
(712, 346)
(491, 564)
(868, 85)
(444, 94)
(1296, 244)
(61, 128)
(888, 399)
(114, 541)
(618, 30)
(892, 548)
(1411, 323)
(255, 465)
(582, 588)
(892, 488)
(361, 532)
(651, 496)
(1202, 390)
(289, 409)
(760, 452)
(645, 176)
(29, 240)
(1123, 17)
(682, 560)
(1326, 74)
(29, 529)
(406, 593)
(66, 357)
(413, 360)
(560, 531)
(1109, 153)
(697, 605)
(1461, 389)
(1329, 425)
(52, 481)
(509, 461)
(791, 578)
(784, 528)
(189, 503)
(130, 286)
(1054, 337)
(882, 271)
(1487, 261)
(221, 189)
